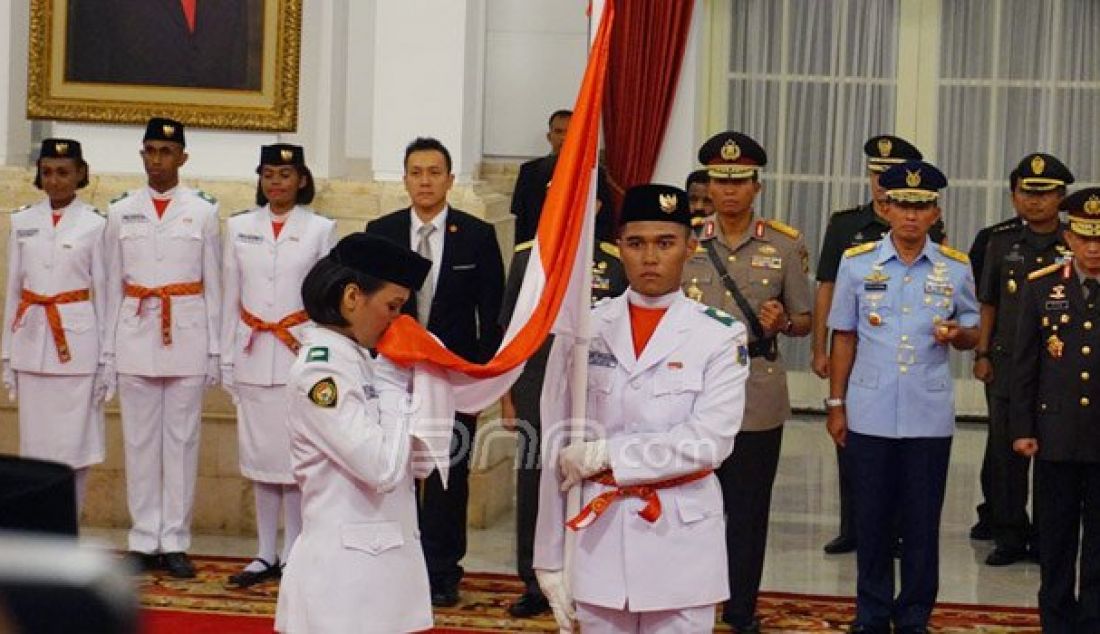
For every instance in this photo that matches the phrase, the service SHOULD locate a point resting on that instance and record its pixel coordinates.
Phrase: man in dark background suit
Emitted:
(207, 44)
(459, 303)
(534, 179)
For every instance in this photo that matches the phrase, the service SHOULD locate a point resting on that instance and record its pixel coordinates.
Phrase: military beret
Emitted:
(1040, 172)
(913, 182)
(885, 150)
(162, 129)
(281, 154)
(732, 155)
(663, 203)
(381, 258)
(1084, 212)
(60, 148)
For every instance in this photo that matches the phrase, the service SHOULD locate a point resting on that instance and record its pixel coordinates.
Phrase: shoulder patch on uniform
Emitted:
(859, 249)
(238, 213)
(523, 246)
(1046, 270)
(119, 197)
(783, 228)
(954, 254)
(323, 392)
(207, 197)
(317, 353)
(720, 316)
(610, 249)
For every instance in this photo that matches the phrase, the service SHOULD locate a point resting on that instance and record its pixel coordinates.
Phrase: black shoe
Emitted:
(916, 629)
(869, 629)
(981, 532)
(529, 604)
(144, 562)
(445, 597)
(839, 545)
(246, 578)
(1001, 556)
(179, 566)
(752, 627)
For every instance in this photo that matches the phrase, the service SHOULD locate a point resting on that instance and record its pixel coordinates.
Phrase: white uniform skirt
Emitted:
(58, 420)
(262, 433)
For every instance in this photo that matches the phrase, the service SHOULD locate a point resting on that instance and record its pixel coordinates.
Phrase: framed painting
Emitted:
(209, 63)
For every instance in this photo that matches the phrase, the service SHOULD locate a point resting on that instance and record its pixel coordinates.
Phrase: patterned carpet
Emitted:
(210, 606)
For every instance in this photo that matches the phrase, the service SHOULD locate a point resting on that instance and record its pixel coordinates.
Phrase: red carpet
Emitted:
(205, 606)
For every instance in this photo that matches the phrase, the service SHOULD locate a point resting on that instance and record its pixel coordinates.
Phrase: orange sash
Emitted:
(281, 328)
(165, 294)
(53, 316)
(647, 492)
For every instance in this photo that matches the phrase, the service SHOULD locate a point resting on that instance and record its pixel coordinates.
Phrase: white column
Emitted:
(15, 130)
(429, 62)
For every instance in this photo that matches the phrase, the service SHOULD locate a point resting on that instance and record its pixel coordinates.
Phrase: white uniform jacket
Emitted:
(48, 260)
(152, 252)
(673, 412)
(263, 274)
(358, 564)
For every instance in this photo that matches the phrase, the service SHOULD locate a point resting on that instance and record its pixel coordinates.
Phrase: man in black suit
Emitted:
(459, 303)
(534, 179)
(205, 44)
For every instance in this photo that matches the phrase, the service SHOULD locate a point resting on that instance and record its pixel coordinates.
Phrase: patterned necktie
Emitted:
(1092, 289)
(424, 295)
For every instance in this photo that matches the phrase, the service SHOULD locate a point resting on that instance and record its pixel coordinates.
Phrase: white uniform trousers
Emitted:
(58, 420)
(264, 438)
(594, 619)
(160, 431)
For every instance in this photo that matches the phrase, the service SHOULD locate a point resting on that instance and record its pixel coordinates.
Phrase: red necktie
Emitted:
(189, 13)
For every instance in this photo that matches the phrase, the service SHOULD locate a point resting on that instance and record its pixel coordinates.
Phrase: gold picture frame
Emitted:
(72, 77)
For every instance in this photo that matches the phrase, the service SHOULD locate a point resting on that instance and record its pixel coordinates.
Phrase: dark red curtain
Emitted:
(647, 48)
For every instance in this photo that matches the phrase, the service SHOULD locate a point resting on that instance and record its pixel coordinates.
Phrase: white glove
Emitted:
(580, 460)
(553, 586)
(229, 383)
(212, 373)
(9, 380)
(106, 380)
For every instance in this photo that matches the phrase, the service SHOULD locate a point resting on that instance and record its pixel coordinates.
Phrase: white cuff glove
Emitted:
(229, 383)
(580, 460)
(8, 378)
(553, 586)
(106, 380)
(212, 373)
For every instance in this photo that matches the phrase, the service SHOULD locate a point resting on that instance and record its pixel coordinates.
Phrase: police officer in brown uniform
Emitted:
(1053, 417)
(1038, 185)
(756, 270)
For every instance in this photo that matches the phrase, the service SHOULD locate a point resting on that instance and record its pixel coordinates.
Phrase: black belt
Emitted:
(764, 348)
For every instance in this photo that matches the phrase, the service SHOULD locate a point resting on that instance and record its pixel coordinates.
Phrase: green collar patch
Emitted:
(720, 316)
(317, 353)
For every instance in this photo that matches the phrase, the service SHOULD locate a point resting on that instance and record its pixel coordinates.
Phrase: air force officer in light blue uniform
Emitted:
(904, 300)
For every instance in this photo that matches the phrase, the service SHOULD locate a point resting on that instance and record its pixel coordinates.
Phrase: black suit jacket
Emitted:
(148, 42)
(530, 193)
(466, 303)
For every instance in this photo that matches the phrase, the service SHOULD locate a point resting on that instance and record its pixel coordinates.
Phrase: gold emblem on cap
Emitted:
(1038, 165)
(730, 150)
(1092, 205)
(61, 148)
(667, 202)
(168, 129)
(912, 179)
(885, 146)
(286, 154)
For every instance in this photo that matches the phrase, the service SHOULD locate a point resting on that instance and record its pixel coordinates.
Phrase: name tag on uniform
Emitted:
(128, 219)
(766, 262)
(602, 359)
(370, 392)
(1014, 256)
(463, 267)
(871, 287)
(248, 238)
(1057, 304)
(25, 233)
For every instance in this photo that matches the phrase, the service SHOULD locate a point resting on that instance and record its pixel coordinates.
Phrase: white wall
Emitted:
(360, 87)
(536, 52)
(15, 131)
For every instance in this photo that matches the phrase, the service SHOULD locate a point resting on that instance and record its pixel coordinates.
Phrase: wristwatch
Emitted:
(834, 402)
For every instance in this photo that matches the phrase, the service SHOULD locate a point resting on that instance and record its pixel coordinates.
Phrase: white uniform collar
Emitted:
(168, 195)
(634, 298)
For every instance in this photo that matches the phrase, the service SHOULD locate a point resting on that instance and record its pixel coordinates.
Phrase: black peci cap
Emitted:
(162, 129)
(381, 258)
(282, 154)
(663, 203)
(61, 148)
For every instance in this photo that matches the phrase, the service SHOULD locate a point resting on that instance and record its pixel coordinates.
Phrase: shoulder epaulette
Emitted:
(119, 197)
(207, 197)
(859, 249)
(1046, 270)
(610, 249)
(237, 213)
(100, 213)
(720, 316)
(523, 246)
(841, 212)
(783, 228)
(23, 208)
(954, 254)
